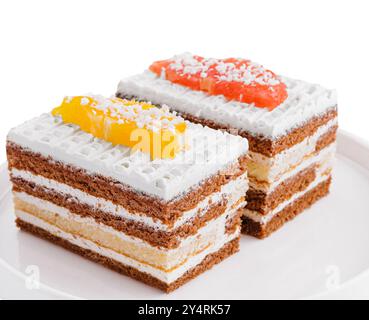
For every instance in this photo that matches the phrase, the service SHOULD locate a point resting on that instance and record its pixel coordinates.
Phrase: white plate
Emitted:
(322, 253)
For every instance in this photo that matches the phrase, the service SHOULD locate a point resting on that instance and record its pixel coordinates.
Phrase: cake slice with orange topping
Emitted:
(131, 186)
(290, 124)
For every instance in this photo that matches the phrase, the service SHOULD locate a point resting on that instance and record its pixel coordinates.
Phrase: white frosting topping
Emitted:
(304, 101)
(209, 151)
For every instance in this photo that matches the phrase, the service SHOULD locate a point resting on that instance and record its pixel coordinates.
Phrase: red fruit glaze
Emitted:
(235, 79)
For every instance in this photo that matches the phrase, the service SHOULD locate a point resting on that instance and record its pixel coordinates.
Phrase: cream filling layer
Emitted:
(322, 174)
(272, 169)
(231, 191)
(51, 209)
(325, 155)
(164, 276)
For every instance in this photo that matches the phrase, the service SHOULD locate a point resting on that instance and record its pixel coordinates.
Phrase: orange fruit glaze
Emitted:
(136, 125)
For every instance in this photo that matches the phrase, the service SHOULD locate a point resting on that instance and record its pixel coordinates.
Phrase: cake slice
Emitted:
(290, 125)
(131, 186)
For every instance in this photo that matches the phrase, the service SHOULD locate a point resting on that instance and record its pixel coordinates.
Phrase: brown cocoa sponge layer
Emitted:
(326, 139)
(118, 193)
(258, 200)
(169, 240)
(261, 231)
(233, 223)
(209, 261)
(260, 143)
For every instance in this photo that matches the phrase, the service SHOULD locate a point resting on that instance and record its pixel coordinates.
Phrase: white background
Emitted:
(49, 49)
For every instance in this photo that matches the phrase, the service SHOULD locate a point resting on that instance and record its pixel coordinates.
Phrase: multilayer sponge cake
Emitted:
(290, 125)
(161, 211)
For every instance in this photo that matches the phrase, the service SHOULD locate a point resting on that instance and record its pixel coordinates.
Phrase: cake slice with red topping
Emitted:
(290, 124)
